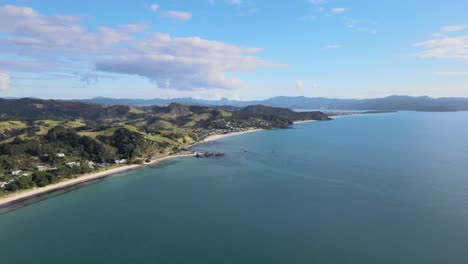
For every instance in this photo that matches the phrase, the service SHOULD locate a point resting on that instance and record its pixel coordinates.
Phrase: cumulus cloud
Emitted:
(455, 47)
(32, 33)
(185, 63)
(62, 43)
(454, 28)
(179, 15)
(4, 81)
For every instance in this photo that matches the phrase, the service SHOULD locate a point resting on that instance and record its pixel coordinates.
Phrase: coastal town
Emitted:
(15, 179)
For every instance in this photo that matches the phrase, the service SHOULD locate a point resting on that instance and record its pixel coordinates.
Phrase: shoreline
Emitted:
(23, 196)
(221, 136)
(304, 121)
(19, 197)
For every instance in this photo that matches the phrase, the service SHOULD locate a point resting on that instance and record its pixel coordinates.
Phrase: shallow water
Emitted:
(387, 188)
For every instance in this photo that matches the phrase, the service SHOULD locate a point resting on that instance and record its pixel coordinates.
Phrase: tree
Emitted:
(24, 183)
(12, 187)
(41, 178)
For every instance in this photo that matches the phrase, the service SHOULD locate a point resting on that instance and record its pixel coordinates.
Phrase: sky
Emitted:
(237, 49)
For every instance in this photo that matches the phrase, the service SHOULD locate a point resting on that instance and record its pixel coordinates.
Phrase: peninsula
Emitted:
(48, 145)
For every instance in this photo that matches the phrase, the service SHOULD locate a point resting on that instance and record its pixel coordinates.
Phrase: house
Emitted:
(16, 172)
(24, 175)
(72, 164)
(61, 155)
(91, 164)
(122, 161)
(3, 184)
(41, 168)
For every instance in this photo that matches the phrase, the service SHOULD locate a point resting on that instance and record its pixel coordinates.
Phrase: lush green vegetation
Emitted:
(44, 141)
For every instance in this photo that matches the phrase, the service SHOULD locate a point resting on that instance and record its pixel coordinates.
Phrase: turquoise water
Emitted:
(390, 188)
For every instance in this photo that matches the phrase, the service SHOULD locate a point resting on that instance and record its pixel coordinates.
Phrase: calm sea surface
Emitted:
(387, 188)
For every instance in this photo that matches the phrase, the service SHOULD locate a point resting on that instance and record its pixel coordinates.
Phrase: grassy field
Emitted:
(11, 125)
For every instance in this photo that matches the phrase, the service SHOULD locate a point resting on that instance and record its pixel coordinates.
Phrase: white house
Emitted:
(3, 184)
(61, 155)
(72, 164)
(41, 168)
(122, 161)
(16, 172)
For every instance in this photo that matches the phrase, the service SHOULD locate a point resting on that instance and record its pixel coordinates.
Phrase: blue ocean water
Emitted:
(386, 188)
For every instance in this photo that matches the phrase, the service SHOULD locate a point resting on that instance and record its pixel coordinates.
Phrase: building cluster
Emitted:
(16, 174)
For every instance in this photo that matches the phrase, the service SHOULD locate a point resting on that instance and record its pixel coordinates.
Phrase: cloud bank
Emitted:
(61, 42)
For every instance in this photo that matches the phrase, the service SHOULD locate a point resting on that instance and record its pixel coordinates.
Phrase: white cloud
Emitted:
(61, 43)
(30, 33)
(332, 46)
(179, 15)
(451, 73)
(154, 7)
(454, 28)
(4, 81)
(300, 84)
(185, 63)
(339, 10)
(445, 47)
(315, 85)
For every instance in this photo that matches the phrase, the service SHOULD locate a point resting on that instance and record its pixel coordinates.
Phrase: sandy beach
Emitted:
(305, 121)
(218, 137)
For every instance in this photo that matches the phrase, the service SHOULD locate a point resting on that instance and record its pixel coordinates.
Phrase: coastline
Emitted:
(19, 197)
(36, 192)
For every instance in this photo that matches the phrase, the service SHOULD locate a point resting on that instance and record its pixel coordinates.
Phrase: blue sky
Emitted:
(239, 49)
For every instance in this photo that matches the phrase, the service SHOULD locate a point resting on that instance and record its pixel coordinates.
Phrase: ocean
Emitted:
(383, 188)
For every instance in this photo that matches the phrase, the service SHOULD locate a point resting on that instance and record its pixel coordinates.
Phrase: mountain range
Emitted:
(391, 103)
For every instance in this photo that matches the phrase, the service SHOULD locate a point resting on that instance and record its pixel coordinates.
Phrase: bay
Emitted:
(384, 188)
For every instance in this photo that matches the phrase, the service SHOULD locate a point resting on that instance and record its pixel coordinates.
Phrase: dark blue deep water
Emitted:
(387, 188)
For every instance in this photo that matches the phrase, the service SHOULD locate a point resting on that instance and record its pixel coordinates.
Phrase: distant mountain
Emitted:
(391, 103)
(36, 109)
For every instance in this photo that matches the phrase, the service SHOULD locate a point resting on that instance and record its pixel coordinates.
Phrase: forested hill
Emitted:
(44, 140)
(35, 109)
(286, 113)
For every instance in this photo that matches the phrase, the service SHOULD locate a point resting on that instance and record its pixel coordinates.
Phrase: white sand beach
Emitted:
(218, 137)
